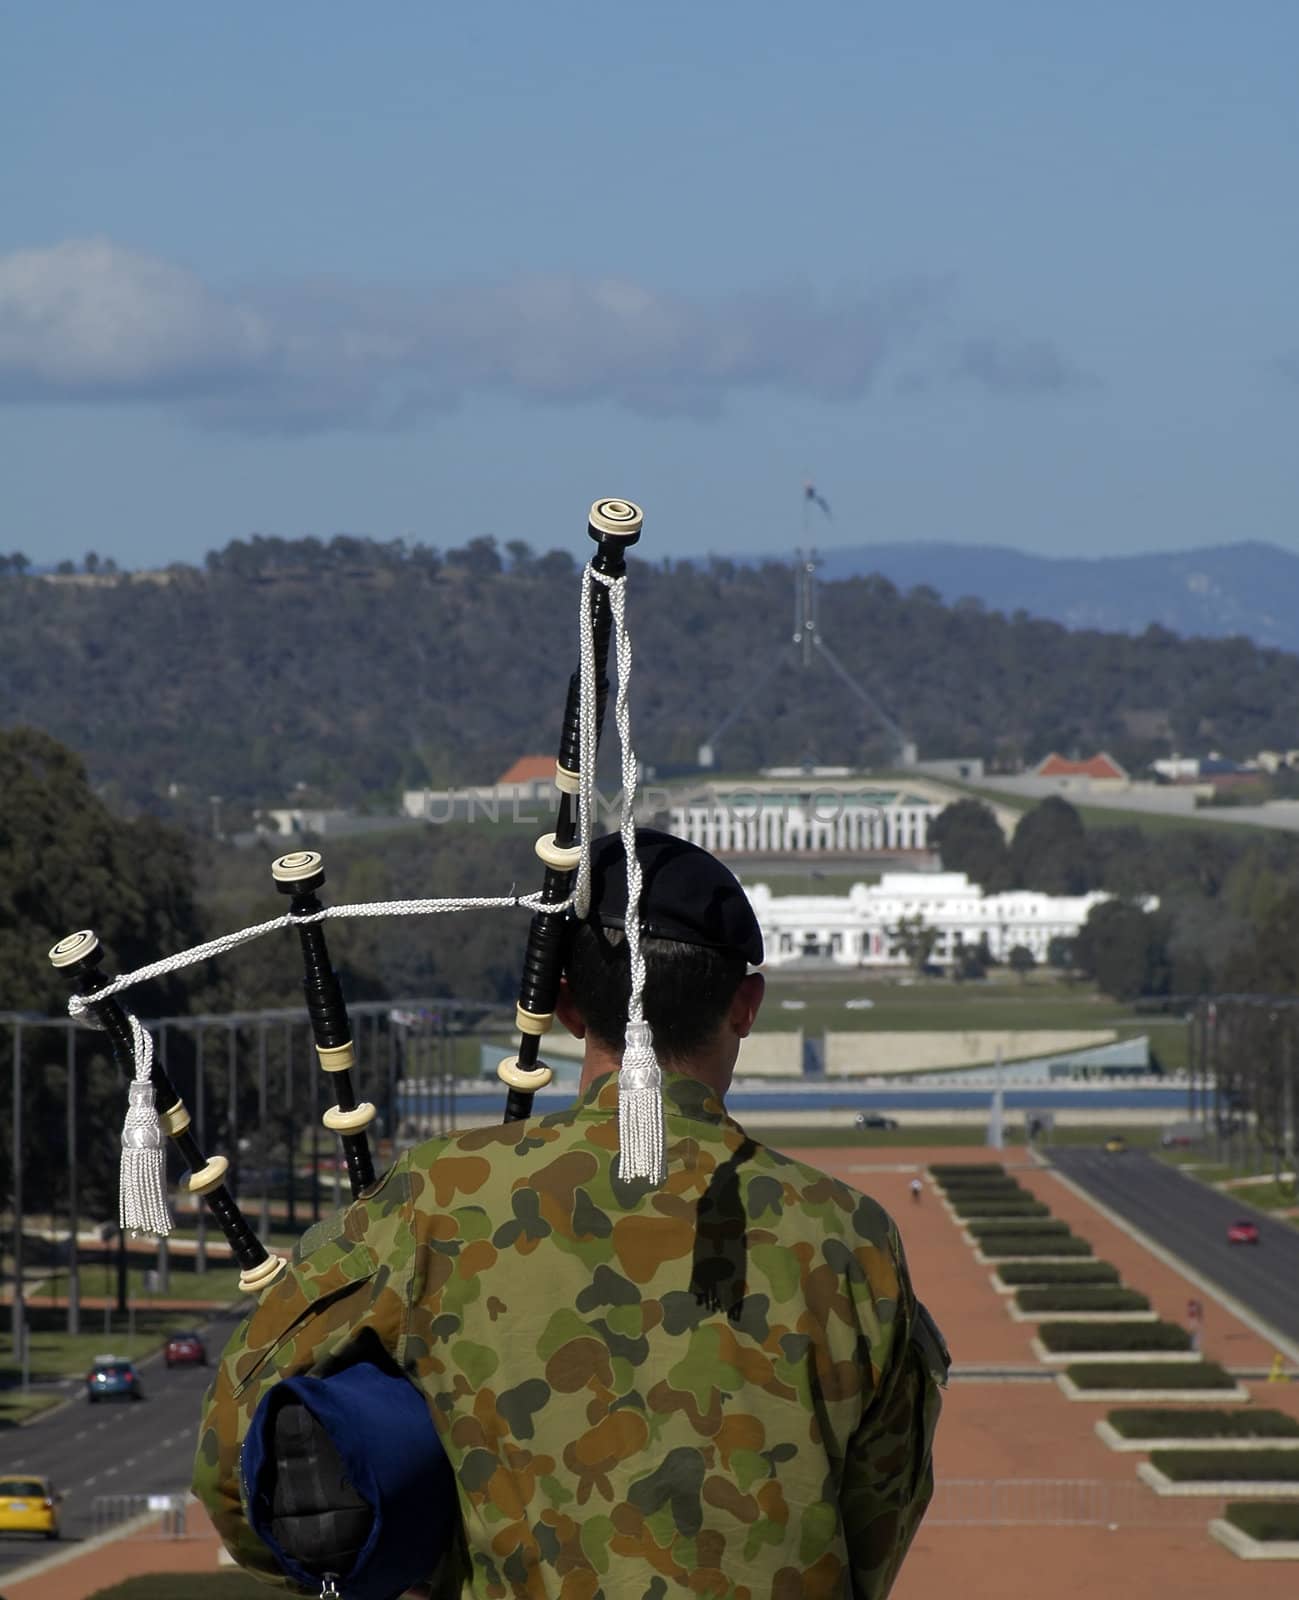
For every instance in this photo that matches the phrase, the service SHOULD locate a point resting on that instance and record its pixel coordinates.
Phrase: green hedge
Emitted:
(1001, 1208)
(993, 1189)
(1144, 1422)
(1081, 1297)
(975, 1170)
(231, 1585)
(1069, 1336)
(1094, 1272)
(1030, 1227)
(1020, 1244)
(1150, 1375)
(1199, 1466)
(1265, 1519)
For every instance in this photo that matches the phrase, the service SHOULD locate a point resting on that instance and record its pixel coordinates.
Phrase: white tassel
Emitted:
(640, 1109)
(142, 1204)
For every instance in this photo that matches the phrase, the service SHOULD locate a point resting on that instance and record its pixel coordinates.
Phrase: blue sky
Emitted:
(1015, 273)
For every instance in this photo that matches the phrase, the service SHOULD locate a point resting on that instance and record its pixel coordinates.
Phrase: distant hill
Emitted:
(1249, 589)
(351, 670)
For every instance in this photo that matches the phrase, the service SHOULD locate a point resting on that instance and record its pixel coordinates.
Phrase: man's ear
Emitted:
(567, 1012)
(747, 1003)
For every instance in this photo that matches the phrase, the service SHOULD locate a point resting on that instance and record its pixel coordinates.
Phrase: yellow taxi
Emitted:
(29, 1503)
(1116, 1144)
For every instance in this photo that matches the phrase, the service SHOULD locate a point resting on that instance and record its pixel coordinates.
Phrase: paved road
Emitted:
(1190, 1220)
(115, 1447)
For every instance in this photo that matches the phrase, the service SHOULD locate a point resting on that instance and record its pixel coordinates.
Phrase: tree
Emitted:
(1124, 950)
(1021, 961)
(66, 863)
(969, 839)
(1049, 850)
(913, 938)
(521, 557)
(479, 558)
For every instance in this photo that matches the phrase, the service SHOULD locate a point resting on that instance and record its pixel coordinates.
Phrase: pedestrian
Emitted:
(723, 1384)
(916, 1189)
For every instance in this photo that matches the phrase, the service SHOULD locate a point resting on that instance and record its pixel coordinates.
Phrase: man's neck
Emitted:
(598, 1061)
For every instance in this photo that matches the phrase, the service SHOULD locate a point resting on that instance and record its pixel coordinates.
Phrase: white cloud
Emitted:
(92, 321)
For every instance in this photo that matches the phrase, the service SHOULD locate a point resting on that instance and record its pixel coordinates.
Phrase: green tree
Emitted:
(1124, 950)
(1021, 961)
(66, 863)
(1049, 850)
(913, 938)
(969, 839)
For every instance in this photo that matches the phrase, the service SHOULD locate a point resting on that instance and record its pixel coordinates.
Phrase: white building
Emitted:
(789, 817)
(852, 930)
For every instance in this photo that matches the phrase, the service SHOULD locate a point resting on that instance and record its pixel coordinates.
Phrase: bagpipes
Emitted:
(304, 1466)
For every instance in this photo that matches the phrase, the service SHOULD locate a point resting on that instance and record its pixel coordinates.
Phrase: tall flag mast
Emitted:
(805, 641)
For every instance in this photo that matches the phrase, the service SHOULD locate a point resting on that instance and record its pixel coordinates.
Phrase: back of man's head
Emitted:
(698, 937)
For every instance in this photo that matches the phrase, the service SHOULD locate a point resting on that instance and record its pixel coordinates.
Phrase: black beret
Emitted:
(686, 894)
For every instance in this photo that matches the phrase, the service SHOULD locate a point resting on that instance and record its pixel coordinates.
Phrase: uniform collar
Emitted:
(683, 1096)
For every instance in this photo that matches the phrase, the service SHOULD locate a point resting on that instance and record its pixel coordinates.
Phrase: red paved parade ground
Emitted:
(1000, 1430)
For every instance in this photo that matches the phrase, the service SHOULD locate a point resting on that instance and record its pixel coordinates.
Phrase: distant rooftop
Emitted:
(1100, 765)
(528, 769)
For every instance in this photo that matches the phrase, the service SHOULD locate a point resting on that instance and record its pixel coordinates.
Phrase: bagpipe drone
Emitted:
(315, 1486)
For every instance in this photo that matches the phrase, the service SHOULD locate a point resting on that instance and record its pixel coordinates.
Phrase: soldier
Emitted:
(724, 1384)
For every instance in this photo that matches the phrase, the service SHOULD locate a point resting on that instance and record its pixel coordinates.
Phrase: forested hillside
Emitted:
(358, 668)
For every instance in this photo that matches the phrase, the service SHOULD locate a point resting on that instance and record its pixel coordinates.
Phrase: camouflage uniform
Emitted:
(724, 1386)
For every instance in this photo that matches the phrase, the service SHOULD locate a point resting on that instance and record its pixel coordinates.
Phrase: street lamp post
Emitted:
(18, 1308)
(74, 1260)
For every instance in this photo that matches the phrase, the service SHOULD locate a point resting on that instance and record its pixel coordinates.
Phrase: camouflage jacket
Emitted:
(724, 1385)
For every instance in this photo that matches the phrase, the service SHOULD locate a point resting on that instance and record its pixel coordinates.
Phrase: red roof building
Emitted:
(528, 769)
(1100, 766)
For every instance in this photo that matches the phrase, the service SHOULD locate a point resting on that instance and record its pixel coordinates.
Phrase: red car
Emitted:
(185, 1349)
(1242, 1232)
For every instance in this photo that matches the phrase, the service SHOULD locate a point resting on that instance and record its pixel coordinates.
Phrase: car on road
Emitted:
(1242, 1231)
(113, 1378)
(185, 1350)
(1116, 1144)
(870, 1119)
(29, 1503)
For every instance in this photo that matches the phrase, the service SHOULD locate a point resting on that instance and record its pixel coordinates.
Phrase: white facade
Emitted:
(788, 818)
(852, 930)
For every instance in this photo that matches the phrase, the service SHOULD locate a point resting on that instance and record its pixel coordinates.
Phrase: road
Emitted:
(1190, 1220)
(114, 1447)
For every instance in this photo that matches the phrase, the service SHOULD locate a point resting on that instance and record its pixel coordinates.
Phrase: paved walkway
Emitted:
(991, 1429)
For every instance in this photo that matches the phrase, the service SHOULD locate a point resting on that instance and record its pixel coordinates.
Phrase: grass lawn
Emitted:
(16, 1407)
(56, 1354)
(940, 1005)
(937, 1134)
(217, 1283)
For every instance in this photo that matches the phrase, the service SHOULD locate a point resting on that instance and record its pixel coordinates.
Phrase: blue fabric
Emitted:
(381, 1428)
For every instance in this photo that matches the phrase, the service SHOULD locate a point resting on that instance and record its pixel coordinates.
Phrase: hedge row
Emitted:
(981, 1186)
(1143, 1422)
(1081, 1297)
(1254, 1466)
(1020, 1244)
(1150, 1375)
(975, 1170)
(1054, 1272)
(1069, 1336)
(1265, 1519)
(1028, 1227)
(1000, 1208)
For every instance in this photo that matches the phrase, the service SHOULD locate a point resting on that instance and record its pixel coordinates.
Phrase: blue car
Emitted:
(111, 1378)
